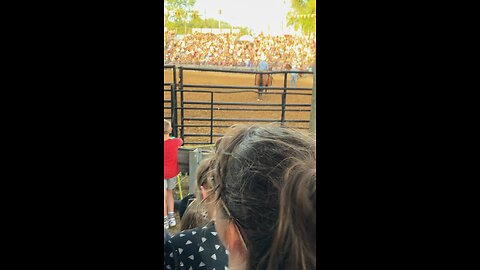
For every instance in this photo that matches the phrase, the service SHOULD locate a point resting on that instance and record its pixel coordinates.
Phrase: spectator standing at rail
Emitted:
(294, 77)
(170, 173)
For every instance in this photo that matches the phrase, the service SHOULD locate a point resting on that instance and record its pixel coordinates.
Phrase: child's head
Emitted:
(265, 194)
(200, 211)
(205, 184)
(195, 216)
(167, 127)
(204, 175)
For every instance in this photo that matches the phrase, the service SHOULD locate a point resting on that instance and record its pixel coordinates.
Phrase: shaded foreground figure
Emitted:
(265, 198)
(293, 76)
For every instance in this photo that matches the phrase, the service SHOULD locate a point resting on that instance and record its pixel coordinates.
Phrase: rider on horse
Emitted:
(263, 65)
(263, 80)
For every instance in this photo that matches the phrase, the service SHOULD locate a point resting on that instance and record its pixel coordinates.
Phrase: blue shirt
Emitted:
(263, 65)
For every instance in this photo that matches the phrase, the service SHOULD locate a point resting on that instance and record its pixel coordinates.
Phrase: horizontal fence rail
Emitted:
(246, 71)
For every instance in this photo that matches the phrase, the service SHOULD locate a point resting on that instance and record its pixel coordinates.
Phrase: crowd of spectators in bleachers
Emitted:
(227, 50)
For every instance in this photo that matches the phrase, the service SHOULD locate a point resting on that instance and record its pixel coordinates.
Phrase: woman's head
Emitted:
(265, 194)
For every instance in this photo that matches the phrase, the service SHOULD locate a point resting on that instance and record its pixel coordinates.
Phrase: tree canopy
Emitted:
(302, 15)
(179, 10)
(180, 15)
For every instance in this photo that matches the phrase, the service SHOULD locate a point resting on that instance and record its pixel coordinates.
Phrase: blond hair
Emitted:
(166, 126)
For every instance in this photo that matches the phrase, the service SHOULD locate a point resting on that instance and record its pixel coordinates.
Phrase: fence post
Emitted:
(211, 117)
(313, 111)
(172, 110)
(260, 90)
(181, 104)
(174, 103)
(284, 98)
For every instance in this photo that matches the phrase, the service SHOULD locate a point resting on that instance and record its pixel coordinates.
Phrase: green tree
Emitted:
(179, 10)
(303, 15)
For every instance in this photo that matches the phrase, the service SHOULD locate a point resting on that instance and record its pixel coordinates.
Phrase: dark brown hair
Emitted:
(266, 178)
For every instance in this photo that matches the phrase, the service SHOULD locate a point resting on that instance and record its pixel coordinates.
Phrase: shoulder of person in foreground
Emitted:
(196, 248)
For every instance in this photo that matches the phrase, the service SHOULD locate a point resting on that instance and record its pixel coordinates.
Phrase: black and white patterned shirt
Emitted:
(198, 248)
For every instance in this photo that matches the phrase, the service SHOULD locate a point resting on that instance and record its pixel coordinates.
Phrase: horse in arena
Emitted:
(263, 80)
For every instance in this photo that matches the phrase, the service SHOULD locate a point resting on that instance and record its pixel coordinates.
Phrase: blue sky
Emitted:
(259, 15)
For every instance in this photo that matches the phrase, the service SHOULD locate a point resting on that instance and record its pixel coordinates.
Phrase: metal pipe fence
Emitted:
(190, 120)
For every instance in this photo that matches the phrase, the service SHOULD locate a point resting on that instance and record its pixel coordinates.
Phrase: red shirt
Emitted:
(170, 157)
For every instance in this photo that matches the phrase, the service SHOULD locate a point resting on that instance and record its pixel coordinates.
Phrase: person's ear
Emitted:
(233, 240)
(204, 192)
(170, 130)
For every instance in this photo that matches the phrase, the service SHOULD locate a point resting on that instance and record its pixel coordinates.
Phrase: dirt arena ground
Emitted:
(273, 97)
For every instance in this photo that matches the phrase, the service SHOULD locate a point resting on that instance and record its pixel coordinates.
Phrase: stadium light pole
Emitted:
(219, 18)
